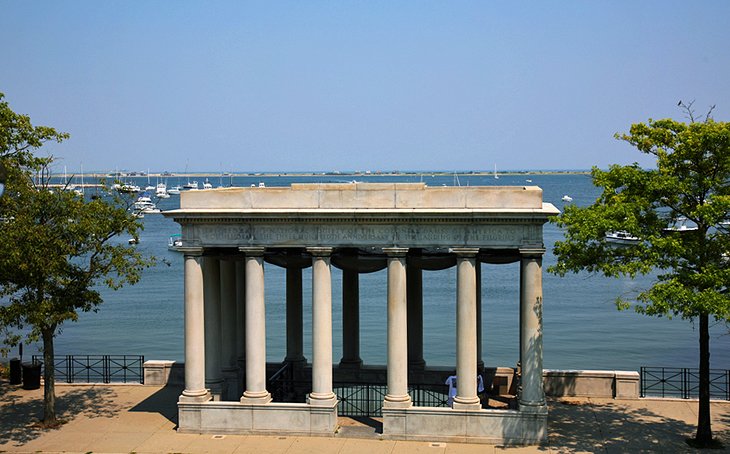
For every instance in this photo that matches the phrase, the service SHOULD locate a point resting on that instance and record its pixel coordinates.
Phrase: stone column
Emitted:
(228, 327)
(466, 330)
(212, 296)
(532, 394)
(321, 394)
(480, 357)
(350, 319)
(240, 323)
(397, 395)
(255, 392)
(294, 317)
(414, 282)
(195, 390)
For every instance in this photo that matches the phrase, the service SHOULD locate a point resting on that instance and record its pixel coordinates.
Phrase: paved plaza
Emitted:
(142, 419)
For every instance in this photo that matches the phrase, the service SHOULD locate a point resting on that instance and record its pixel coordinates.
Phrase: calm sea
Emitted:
(582, 328)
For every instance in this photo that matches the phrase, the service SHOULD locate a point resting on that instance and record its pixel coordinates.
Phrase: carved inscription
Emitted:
(365, 235)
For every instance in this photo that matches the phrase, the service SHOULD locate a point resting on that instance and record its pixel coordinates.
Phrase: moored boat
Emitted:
(174, 242)
(621, 237)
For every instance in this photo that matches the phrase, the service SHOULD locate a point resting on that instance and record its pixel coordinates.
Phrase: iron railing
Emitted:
(281, 383)
(365, 399)
(683, 382)
(98, 368)
(355, 398)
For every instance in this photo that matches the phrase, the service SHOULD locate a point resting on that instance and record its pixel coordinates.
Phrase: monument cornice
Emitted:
(360, 218)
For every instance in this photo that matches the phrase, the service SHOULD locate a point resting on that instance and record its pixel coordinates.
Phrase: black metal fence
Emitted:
(683, 382)
(355, 398)
(364, 399)
(281, 384)
(98, 368)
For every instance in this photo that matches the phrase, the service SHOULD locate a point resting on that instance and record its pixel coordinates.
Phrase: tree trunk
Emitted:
(704, 429)
(49, 384)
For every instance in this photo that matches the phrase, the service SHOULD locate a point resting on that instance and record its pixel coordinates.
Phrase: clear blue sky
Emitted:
(358, 85)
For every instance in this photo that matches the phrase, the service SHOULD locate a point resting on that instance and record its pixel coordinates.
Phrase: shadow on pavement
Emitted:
(163, 402)
(22, 410)
(613, 427)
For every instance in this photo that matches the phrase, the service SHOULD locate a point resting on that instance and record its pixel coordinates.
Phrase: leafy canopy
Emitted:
(58, 247)
(690, 186)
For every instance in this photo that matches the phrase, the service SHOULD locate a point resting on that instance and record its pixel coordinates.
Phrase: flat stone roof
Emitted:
(368, 196)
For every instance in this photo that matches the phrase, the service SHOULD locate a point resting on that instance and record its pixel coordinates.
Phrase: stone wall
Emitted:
(558, 383)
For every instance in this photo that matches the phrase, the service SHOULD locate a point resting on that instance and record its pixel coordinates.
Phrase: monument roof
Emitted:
(366, 197)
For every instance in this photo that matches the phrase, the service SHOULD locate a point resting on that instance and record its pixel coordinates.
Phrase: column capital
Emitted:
(532, 252)
(255, 251)
(395, 251)
(320, 251)
(191, 250)
(466, 252)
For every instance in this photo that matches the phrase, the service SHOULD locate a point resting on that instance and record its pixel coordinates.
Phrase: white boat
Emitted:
(174, 242)
(567, 198)
(621, 237)
(161, 191)
(129, 188)
(175, 190)
(496, 177)
(145, 205)
(680, 225)
(207, 184)
(192, 185)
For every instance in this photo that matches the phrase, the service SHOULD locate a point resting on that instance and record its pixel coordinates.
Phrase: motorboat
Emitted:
(621, 237)
(680, 225)
(144, 204)
(193, 185)
(567, 198)
(161, 191)
(175, 190)
(174, 242)
(127, 188)
(207, 184)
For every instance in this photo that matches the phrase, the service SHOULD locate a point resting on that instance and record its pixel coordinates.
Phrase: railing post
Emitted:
(107, 369)
(642, 382)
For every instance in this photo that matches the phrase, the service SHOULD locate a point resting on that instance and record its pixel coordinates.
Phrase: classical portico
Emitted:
(229, 237)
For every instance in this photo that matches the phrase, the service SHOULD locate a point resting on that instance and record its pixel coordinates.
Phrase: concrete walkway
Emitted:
(142, 419)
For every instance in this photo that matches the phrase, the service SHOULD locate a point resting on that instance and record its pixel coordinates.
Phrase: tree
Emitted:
(689, 187)
(58, 247)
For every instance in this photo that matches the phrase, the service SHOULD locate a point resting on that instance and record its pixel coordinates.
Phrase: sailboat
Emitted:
(496, 177)
(80, 191)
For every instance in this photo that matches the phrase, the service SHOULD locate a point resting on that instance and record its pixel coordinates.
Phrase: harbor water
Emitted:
(582, 327)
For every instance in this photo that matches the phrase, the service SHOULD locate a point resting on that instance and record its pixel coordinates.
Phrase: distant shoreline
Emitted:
(325, 174)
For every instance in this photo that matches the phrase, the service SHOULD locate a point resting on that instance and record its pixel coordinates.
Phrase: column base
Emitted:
(350, 363)
(256, 398)
(216, 389)
(322, 400)
(533, 407)
(466, 404)
(296, 360)
(194, 396)
(397, 402)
